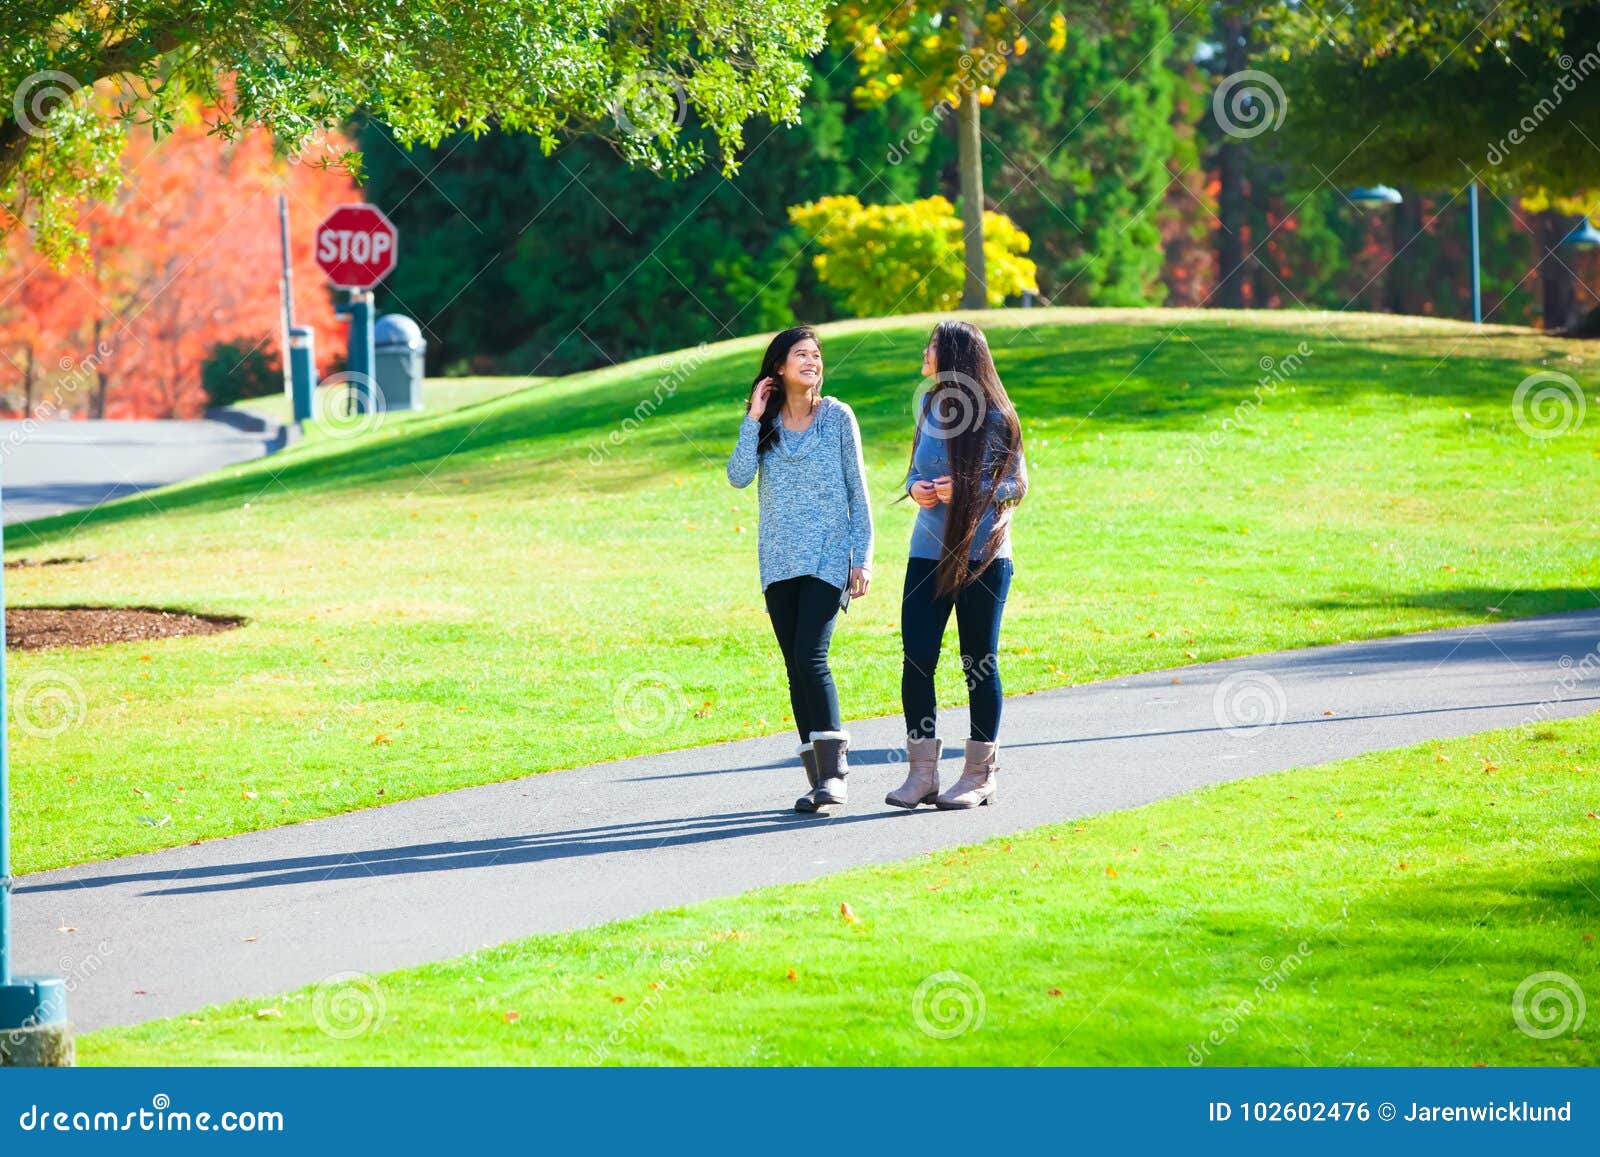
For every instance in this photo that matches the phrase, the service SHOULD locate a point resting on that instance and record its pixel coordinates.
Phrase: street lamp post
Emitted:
(33, 1009)
(1477, 276)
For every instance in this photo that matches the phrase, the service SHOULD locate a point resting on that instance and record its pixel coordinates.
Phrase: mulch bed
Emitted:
(35, 628)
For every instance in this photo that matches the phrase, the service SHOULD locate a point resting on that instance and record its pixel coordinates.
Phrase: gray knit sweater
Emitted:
(815, 519)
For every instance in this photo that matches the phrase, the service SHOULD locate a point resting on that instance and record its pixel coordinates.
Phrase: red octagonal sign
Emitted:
(356, 246)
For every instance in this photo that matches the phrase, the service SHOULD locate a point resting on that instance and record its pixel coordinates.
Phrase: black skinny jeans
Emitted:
(923, 617)
(803, 611)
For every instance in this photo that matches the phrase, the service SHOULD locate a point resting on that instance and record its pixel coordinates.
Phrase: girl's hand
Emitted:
(924, 495)
(860, 579)
(759, 395)
(944, 488)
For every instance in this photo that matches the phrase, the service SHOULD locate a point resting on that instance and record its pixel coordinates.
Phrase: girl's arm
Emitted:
(1013, 488)
(744, 459)
(855, 486)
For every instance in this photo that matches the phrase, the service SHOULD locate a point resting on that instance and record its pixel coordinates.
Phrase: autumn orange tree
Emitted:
(182, 259)
(954, 55)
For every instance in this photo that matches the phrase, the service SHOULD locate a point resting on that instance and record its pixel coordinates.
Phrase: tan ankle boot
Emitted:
(922, 783)
(975, 788)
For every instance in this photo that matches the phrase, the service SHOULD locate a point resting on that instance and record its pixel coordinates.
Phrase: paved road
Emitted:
(64, 465)
(431, 878)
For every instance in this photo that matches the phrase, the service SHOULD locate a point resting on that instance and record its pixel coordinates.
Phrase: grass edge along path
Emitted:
(1434, 904)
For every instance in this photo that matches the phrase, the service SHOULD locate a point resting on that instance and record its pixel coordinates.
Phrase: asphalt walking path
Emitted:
(50, 467)
(255, 914)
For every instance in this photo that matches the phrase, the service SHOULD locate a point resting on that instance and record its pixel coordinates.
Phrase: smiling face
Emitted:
(803, 367)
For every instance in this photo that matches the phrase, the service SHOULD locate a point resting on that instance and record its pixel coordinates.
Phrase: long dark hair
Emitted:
(772, 367)
(965, 401)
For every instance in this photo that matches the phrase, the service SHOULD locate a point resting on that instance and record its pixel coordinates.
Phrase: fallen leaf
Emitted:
(849, 914)
(618, 999)
(791, 976)
(511, 1016)
(66, 928)
(1054, 992)
(249, 939)
(381, 740)
(1110, 871)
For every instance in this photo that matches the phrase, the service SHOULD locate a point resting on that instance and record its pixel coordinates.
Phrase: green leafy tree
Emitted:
(517, 261)
(1084, 147)
(628, 69)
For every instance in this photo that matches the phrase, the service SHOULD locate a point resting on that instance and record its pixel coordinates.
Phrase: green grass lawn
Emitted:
(521, 584)
(1379, 911)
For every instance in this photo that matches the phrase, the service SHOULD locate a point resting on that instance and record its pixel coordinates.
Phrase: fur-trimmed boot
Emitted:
(808, 756)
(975, 788)
(831, 749)
(922, 782)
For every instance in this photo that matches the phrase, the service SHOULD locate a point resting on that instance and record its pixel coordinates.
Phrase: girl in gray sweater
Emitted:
(814, 539)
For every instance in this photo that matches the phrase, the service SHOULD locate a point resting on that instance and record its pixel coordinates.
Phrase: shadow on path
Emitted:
(455, 855)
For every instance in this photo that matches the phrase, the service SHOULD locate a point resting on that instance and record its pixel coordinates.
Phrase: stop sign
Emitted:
(356, 246)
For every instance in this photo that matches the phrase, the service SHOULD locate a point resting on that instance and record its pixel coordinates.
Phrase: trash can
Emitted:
(399, 350)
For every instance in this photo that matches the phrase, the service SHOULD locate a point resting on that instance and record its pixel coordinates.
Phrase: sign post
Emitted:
(357, 247)
(33, 1009)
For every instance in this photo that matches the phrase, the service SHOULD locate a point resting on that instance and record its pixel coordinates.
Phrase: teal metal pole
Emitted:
(37, 1003)
(1477, 288)
(5, 788)
(363, 357)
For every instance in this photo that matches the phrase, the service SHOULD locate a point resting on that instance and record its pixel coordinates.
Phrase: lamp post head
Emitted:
(1375, 195)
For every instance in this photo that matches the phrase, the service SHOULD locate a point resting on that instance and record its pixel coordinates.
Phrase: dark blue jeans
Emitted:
(803, 611)
(923, 618)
